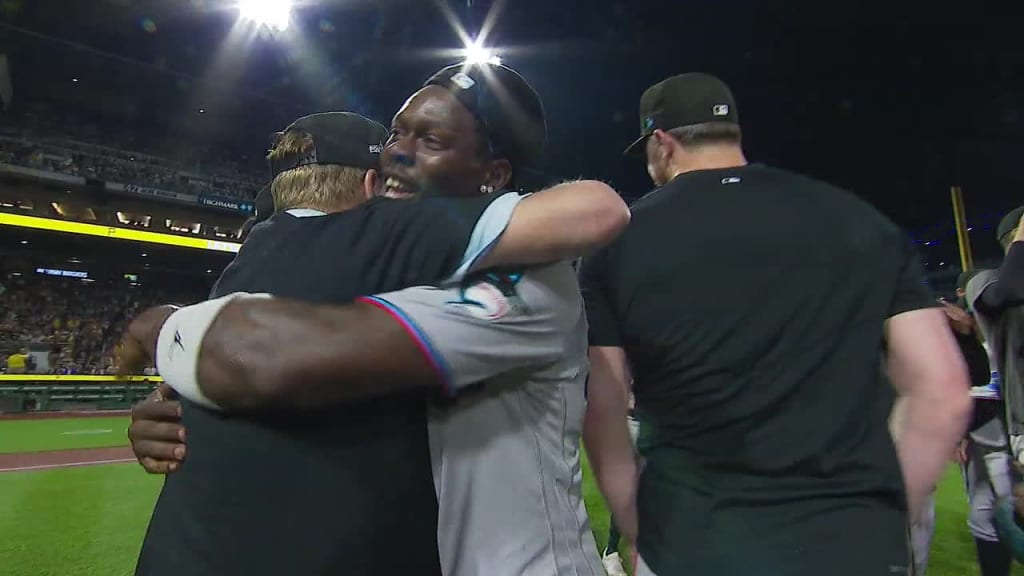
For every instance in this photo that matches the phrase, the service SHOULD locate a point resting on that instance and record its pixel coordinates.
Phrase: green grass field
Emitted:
(17, 436)
(90, 521)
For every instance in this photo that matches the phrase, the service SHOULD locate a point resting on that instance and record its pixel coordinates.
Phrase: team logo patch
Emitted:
(491, 297)
(648, 123)
(720, 110)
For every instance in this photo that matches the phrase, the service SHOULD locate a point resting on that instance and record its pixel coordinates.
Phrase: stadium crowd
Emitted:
(80, 322)
(66, 146)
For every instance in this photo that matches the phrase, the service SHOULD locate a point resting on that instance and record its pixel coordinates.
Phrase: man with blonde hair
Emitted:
(371, 363)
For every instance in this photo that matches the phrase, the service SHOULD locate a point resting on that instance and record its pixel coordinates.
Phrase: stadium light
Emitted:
(476, 54)
(276, 14)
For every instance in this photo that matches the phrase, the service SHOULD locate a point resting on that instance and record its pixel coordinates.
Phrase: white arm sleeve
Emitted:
(181, 341)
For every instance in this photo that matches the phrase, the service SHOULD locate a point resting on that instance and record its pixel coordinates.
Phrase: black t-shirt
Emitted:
(346, 491)
(976, 357)
(750, 302)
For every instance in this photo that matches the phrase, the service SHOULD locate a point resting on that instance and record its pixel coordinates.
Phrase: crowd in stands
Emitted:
(62, 145)
(78, 323)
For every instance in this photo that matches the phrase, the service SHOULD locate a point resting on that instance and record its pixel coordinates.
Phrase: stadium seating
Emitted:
(78, 322)
(64, 146)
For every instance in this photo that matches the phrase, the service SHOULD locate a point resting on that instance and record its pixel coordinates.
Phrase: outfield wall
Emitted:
(40, 394)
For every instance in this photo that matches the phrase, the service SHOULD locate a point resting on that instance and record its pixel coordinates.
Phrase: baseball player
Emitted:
(988, 477)
(506, 353)
(759, 378)
(995, 296)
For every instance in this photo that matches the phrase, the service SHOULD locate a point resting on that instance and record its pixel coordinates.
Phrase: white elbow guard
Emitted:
(181, 339)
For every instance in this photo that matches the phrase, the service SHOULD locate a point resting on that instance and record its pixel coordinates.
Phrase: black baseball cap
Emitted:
(1009, 222)
(340, 138)
(683, 100)
(509, 109)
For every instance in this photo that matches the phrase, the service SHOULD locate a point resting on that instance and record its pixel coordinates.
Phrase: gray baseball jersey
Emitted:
(511, 350)
(1003, 335)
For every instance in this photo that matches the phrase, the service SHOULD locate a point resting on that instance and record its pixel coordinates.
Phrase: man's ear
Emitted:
(499, 174)
(371, 184)
(663, 143)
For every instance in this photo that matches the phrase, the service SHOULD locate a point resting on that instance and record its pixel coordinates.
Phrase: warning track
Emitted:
(64, 459)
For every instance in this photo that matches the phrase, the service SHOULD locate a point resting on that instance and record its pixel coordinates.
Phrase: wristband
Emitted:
(180, 342)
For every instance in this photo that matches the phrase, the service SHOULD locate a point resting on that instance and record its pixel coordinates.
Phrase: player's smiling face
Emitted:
(434, 148)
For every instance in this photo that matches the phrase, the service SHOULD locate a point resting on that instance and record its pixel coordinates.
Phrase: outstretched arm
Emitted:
(246, 349)
(261, 353)
(254, 353)
(562, 222)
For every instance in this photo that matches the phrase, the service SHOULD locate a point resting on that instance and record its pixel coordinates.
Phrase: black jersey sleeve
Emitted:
(438, 237)
(595, 277)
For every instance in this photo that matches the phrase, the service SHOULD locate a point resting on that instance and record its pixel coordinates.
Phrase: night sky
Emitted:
(896, 101)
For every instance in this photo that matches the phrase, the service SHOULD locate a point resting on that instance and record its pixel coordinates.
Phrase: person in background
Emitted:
(995, 297)
(983, 454)
(761, 387)
(979, 491)
(18, 363)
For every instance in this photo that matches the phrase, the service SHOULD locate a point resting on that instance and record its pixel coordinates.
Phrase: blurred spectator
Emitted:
(17, 363)
(80, 321)
(64, 146)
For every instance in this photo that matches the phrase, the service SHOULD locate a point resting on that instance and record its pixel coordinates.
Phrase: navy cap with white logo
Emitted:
(683, 100)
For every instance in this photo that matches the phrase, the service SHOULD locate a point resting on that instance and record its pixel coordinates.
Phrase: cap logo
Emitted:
(463, 81)
(648, 123)
(720, 110)
(376, 148)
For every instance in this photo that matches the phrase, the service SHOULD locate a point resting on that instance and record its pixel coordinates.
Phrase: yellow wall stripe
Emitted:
(75, 378)
(116, 233)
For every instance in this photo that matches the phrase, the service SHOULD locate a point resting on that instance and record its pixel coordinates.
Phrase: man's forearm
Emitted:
(926, 431)
(614, 463)
(606, 435)
(285, 354)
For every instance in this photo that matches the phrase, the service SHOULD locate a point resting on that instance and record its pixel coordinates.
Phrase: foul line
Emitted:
(66, 465)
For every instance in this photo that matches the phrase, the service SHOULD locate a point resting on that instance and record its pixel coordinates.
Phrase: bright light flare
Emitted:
(476, 54)
(275, 14)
